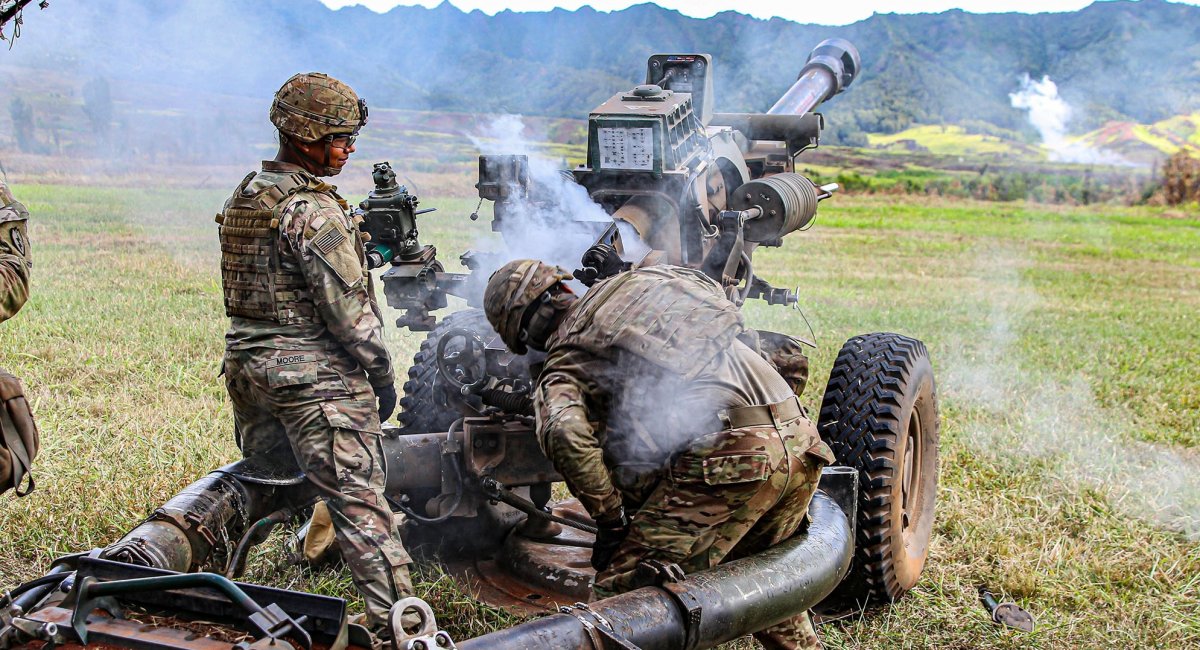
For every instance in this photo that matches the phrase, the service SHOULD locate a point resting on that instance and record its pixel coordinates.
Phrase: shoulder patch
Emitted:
(13, 239)
(331, 244)
(18, 241)
(329, 238)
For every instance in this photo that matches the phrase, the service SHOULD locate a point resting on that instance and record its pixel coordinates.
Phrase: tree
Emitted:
(98, 106)
(1181, 178)
(13, 11)
(23, 129)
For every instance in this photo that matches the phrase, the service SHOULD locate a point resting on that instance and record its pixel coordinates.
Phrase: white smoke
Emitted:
(547, 227)
(559, 221)
(1025, 414)
(1050, 114)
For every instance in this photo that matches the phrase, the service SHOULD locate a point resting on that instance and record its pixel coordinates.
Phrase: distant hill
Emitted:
(1134, 143)
(1148, 141)
(951, 140)
(1113, 61)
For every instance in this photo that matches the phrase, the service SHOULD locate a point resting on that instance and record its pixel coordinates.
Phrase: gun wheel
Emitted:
(880, 416)
(428, 402)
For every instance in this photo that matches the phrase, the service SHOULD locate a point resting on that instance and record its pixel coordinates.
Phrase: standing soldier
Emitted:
(305, 363)
(18, 435)
(702, 452)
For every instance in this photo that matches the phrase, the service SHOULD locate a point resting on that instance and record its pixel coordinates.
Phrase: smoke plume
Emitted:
(1031, 415)
(556, 224)
(1050, 114)
(558, 221)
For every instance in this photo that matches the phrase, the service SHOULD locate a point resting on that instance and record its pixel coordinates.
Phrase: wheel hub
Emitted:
(912, 449)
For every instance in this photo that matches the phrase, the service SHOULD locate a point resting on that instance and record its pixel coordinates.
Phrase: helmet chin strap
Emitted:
(327, 169)
(323, 167)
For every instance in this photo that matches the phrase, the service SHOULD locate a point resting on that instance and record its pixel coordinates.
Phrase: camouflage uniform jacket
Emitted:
(318, 239)
(15, 259)
(639, 368)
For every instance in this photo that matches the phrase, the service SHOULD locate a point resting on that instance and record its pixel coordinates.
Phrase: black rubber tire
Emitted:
(425, 405)
(880, 416)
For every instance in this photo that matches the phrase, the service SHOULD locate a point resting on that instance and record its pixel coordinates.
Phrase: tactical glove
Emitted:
(387, 401)
(609, 536)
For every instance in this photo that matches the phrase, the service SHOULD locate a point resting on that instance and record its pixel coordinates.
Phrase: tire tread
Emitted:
(860, 421)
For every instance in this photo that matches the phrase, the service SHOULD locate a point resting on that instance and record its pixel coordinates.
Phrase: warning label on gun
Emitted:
(624, 148)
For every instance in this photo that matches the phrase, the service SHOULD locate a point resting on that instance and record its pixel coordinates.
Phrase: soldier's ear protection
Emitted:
(541, 317)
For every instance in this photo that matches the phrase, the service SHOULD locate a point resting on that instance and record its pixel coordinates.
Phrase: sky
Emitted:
(820, 12)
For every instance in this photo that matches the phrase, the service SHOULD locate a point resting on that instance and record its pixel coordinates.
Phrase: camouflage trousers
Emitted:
(730, 494)
(318, 407)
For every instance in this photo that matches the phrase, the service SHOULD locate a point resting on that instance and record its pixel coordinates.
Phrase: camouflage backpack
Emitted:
(18, 437)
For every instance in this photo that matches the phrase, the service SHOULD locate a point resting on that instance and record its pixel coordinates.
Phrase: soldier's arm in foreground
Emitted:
(328, 253)
(563, 401)
(15, 258)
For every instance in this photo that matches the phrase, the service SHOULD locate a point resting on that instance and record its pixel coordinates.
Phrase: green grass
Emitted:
(1063, 340)
(1064, 344)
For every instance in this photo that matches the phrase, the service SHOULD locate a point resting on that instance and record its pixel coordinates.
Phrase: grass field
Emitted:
(1064, 341)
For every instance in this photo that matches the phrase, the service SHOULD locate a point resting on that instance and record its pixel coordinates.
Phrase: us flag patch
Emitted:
(330, 239)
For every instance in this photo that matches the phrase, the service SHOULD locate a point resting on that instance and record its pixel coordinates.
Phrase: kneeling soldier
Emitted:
(701, 453)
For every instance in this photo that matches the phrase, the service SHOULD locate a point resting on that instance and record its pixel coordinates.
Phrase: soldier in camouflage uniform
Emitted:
(18, 434)
(700, 451)
(305, 363)
(15, 259)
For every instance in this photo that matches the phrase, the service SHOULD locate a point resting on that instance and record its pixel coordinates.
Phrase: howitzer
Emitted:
(668, 180)
(692, 187)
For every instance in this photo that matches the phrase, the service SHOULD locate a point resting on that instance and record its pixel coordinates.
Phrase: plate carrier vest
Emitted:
(258, 282)
(675, 318)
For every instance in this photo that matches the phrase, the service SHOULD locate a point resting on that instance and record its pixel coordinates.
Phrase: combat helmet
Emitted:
(513, 294)
(313, 105)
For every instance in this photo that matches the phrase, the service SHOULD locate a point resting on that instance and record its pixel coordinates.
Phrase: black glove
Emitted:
(609, 536)
(387, 401)
(599, 262)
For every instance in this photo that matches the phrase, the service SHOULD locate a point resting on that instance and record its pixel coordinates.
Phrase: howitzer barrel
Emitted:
(831, 67)
(505, 451)
(414, 461)
(724, 602)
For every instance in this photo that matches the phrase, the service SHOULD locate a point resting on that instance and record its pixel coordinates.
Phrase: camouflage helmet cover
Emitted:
(511, 290)
(313, 105)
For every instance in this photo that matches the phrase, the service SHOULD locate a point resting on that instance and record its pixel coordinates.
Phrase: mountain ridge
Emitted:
(1113, 61)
